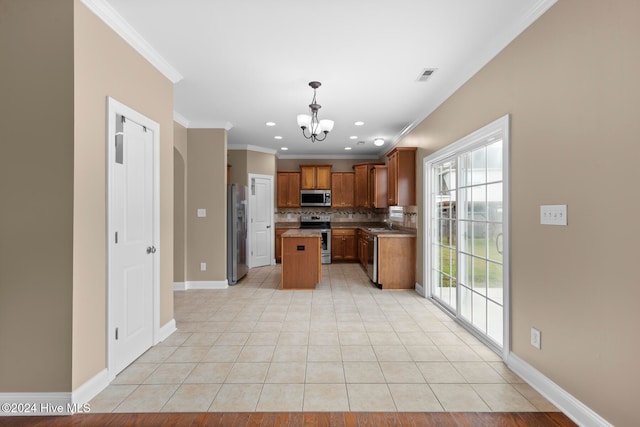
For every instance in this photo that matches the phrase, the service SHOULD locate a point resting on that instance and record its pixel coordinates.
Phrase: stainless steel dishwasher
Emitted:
(372, 258)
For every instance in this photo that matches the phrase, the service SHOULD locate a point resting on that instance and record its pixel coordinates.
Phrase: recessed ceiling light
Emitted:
(359, 123)
(353, 137)
(270, 123)
(284, 148)
(277, 137)
(378, 142)
(347, 148)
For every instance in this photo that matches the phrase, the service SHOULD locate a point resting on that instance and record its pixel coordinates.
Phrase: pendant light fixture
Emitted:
(317, 129)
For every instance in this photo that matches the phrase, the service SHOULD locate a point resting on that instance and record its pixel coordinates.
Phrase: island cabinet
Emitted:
(378, 186)
(288, 189)
(401, 182)
(301, 259)
(344, 245)
(315, 177)
(342, 189)
(278, 243)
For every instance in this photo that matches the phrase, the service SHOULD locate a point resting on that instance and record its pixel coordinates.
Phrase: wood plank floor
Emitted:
(304, 419)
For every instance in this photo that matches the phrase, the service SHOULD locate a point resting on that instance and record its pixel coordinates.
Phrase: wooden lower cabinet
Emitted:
(278, 243)
(344, 245)
(397, 262)
(363, 248)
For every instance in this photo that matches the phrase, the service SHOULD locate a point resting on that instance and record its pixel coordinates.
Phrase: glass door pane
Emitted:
(467, 244)
(444, 233)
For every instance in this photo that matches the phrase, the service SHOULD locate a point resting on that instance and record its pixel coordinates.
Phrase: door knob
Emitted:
(151, 250)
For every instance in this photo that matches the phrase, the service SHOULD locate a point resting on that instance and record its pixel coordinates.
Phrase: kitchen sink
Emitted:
(378, 229)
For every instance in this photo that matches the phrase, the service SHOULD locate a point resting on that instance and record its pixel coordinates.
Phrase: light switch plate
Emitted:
(202, 213)
(553, 214)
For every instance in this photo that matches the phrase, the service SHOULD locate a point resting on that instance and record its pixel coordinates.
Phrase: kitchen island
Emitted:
(301, 259)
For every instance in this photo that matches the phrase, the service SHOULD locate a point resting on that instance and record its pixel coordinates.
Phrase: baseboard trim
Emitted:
(179, 286)
(420, 289)
(167, 329)
(202, 284)
(36, 404)
(91, 388)
(580, 413)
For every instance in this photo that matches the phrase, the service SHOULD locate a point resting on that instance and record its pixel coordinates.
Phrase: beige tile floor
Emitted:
(346, 346)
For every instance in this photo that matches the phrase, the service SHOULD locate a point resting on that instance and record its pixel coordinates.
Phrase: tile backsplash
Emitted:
(346, 215)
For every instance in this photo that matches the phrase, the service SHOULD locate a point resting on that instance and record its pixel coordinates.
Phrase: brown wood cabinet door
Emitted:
(307, 177)
(361, 190)
(342, 189)
(278, 244)
(294, 190)
(392, 179)
(323, 177)
(350, 248)
(402, 176)
(348, 180)
(337, 247)
(288, 190)
(406, 177)
(378, 187)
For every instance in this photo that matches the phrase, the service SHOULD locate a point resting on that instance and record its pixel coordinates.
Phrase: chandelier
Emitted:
(317, 129)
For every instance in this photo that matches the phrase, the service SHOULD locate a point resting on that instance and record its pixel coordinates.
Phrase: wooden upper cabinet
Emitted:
(378, 186)
(315, 177)
(361, 192)
(288, 189)
(401, 188)
(342, 189)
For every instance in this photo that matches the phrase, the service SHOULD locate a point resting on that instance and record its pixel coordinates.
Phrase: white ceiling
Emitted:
(240, 63)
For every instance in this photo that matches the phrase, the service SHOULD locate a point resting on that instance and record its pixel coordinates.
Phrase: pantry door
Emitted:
(467, 249)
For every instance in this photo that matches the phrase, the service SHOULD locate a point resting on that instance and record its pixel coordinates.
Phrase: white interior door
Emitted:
(261, 200)
(132, 250)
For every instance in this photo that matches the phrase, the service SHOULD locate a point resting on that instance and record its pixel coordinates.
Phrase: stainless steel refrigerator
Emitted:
(236, 232)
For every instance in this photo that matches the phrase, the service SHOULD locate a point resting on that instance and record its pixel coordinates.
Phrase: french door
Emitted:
(467, 244)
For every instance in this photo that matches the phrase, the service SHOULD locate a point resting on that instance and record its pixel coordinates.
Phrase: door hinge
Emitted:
(116, 333)
(116, 237)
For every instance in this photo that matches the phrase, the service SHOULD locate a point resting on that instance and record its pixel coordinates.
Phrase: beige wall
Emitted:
(206, 188)
(570, 85)
(244, 162)
(238, 161)
(179, 202)
(261, 163)
(105, 65)
(36, 191)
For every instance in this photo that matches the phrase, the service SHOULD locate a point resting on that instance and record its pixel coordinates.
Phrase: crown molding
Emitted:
(249, 147)
(180, 119)
(117, 23)
(205, 124)
(329, 156)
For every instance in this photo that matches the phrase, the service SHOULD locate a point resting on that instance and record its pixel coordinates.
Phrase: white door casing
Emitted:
(132, 235)
(261, 221)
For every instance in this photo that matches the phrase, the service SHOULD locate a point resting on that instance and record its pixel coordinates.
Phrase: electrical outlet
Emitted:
(536, 337)
(203, 266)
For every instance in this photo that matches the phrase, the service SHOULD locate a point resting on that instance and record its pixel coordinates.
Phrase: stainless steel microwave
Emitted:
(315, 197)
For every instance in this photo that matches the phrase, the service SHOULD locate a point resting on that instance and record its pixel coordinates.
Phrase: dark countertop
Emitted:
(396, 232)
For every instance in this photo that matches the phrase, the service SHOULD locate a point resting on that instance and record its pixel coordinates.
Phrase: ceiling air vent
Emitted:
(425, 74)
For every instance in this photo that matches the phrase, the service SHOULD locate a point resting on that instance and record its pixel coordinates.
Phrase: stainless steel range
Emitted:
(323, 224)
